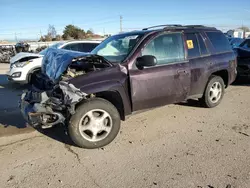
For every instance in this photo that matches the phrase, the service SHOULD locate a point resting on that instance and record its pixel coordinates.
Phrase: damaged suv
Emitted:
(89, 94)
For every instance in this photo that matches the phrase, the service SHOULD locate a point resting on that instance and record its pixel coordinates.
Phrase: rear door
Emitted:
(222, 53)
(199, 60)
(168, 81)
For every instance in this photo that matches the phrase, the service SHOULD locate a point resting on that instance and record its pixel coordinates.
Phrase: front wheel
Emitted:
(95, 124)
(214, 92)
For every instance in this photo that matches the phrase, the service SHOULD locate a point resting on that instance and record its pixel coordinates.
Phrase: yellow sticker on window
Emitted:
(190, 44)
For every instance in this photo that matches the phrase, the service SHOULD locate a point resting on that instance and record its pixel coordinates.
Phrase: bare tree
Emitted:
(52, 31)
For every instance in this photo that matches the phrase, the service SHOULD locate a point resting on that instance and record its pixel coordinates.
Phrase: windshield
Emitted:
(57, 45)
(116, 48)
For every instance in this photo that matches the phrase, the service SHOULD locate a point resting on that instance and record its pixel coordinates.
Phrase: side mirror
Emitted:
(146, 61)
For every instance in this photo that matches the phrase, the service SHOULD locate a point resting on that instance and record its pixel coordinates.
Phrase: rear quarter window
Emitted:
(219, 41)
(203, 47)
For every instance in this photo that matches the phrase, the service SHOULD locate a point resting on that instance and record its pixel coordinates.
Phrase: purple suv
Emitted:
(89, 94)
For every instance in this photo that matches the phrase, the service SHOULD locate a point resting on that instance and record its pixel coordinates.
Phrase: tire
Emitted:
(91, 134)
(208, 100)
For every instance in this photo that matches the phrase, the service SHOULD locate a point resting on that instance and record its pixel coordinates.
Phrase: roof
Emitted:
(177, 26)
(159, 28)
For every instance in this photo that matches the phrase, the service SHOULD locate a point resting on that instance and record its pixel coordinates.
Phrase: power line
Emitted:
(96, 22)
(60, 30)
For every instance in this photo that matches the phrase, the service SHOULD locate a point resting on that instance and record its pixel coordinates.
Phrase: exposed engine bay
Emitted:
(84, 65)
(51, 98)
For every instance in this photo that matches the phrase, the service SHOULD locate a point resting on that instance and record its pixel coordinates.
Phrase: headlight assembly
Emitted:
(21, 64)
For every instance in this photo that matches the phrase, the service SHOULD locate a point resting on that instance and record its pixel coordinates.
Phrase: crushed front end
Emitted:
(44, 109)
(51, 98)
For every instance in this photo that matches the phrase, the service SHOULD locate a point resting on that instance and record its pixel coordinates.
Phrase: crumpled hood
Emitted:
(21, 55)
(56, 61)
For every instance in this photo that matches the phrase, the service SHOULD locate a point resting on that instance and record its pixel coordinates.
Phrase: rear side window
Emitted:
(203, 48)
(73, 47)
(192, 44)
(219, 41)
(87, 47)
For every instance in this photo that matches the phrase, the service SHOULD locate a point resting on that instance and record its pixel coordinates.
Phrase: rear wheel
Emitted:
(95, 124)
(214, 92)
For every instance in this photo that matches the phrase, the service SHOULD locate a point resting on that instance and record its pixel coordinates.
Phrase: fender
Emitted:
(111, 85)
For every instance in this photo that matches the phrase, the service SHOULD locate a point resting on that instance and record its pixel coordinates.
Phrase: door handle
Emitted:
(181, 71)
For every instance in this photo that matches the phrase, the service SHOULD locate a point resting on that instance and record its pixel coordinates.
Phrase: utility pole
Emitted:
(15, 37)
(104, 32)
(120, 23)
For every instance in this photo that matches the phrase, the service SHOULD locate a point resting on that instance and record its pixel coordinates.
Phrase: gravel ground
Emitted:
(176, 146)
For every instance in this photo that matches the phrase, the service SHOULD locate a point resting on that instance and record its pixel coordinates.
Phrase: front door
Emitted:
(167, 82)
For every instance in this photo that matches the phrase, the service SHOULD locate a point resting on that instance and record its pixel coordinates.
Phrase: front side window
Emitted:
(167, 48)
(116, 48)
(56, 46)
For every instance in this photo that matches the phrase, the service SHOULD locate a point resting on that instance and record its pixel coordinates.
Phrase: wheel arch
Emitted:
(223, 74)
(114, 93)
(31, 72)
(115, 98)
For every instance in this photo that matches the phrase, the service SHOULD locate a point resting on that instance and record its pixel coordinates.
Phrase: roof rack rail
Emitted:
(195, 26)
(200, 26)
(167, 25)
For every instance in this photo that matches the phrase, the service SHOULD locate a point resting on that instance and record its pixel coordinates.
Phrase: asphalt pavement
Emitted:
(176, 146)
(11, 121)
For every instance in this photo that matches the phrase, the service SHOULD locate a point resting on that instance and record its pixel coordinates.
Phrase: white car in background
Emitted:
(24, 64)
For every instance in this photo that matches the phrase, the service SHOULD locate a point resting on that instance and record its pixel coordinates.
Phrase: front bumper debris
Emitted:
(38, 114)
(40, 110)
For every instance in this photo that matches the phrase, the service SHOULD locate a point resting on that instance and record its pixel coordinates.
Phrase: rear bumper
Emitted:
(243, 67)
(243, 70)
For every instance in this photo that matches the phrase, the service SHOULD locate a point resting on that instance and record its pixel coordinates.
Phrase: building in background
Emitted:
(238, 33)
